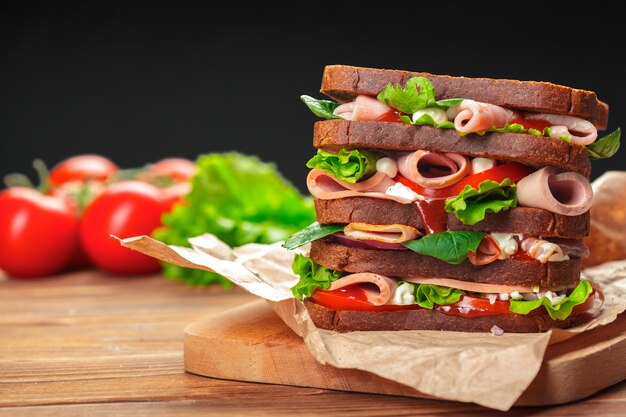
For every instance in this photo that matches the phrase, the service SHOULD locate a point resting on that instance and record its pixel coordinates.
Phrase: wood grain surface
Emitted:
(90, 344)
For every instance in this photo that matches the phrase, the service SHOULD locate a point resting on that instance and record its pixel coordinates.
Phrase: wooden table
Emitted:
(91, 344)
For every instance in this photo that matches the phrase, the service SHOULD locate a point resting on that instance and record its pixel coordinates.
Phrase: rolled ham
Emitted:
(566, 193)
(378, 294)
(488, 251)
(326, 187)
(580, 131)
(362, 109)
(434, 170)
(472, 286)
(472, 116)
(542, 250)
(387, 233)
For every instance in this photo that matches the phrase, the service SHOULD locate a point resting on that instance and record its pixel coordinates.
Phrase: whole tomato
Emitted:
(125, 209)
(82, 168)
(38, 233)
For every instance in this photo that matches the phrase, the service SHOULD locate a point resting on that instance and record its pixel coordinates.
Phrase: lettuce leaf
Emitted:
(471, 205)
(310, 233)
(428, 295)
(321, 108)
(426, 119)
(449, 246)
(606, 146)
(348, 166)
(239, 199)
(559, 311)
(312, 276)
(415, 95)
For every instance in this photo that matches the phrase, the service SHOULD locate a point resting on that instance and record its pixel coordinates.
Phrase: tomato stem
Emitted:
(43, 173)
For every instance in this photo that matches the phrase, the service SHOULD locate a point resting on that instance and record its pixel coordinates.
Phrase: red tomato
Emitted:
(82, 168)
(125, 209)
(531, 124)
(38, 233)
(351, 298)
(390, 116)
(179, 169)
(512, 170)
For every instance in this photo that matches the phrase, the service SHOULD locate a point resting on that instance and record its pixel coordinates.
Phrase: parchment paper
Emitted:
(489, 370)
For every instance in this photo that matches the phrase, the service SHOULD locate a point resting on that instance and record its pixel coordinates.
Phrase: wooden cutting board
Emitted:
(251, 343)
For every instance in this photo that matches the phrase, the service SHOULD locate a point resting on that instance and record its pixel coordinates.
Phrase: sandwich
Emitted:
(449, 203)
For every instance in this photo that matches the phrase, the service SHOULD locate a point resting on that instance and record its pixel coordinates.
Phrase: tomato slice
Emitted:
(530, 124)
(390, 116)
(512, 170)
(354, 298)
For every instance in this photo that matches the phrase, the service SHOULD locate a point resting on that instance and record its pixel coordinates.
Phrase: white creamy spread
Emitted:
(402, 193)
(387, 166)
(404, 294)
(482, 164)
(507, 243)
(438, 115)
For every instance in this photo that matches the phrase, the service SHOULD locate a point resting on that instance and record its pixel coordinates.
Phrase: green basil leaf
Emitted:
(449, 246)
(559, 311)
(312, 276)
(471, 205)
(415, 95)
(606, 146)
(313, 232)
(321, 108)
(348, 166)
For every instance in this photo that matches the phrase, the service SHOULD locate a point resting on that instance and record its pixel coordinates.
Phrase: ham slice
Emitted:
(488, 251)
(434, 170)
(472, 116)
(362, 109)
(572, 248)
(472, 286)
(326, 187)
(387, 233)
(542, 250)
(580, 131)
(566, 193)
(378, 294)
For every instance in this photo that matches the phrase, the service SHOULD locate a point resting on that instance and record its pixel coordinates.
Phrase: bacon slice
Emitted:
(488, 251)
(580, 131)
(388, 233)
(542, 250)
(566, 193)
(472, 116)
(326, 187)
(362, 109)
(378, 294)
(434, 170)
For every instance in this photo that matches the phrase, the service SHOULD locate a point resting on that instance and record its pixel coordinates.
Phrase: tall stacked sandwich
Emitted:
(449, 203)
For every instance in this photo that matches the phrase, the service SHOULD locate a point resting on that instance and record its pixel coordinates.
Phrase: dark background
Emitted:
(140, 82)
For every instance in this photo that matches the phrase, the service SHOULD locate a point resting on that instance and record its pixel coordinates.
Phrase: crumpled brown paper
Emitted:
(492, 371)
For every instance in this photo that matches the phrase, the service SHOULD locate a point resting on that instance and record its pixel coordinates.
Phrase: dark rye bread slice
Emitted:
(344, 83)
(524, 220)
(405, 263)
(535, 151)
(424, 319)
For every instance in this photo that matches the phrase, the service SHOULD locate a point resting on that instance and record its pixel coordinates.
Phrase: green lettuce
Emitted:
(471, 205)
(559, 311)
(348, 166)
(426, 119)
(239, 199)
(417, 94)
(312, 276)
(321, 108)
(606, 146)
(309, 234)
(428, 295)
(449, 246)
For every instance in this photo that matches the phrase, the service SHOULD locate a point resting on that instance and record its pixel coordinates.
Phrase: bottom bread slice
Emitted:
(424, 319)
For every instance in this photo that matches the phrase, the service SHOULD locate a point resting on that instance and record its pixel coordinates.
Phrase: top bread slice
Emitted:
(344, 83)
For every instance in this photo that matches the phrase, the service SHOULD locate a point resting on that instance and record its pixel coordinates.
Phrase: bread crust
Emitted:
(424, 319)
(344, 83)
(524, 220)
(535, 151)
(405, 263)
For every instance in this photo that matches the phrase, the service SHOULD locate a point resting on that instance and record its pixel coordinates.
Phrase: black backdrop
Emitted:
(140, 82)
